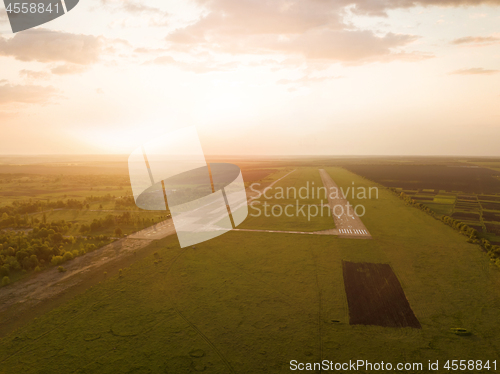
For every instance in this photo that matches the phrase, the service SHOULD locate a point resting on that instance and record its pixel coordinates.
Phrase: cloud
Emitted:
(66, 69)
(155, 16)
(476, 40)
(28, 94)
(143, 50)
(33, 75)
(474, 71)
(6, 114)
(45, 45)
(132, 7)
(4, 19)
(306, 79)
(342, 45)
(379, 7)
(315, 30)
(294, 84)
(250, 17)
(140, 8)
(198, 67)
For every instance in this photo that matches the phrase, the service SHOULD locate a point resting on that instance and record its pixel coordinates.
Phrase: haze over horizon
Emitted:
(288, 77)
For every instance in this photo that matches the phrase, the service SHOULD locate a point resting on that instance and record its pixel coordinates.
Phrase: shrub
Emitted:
(4, 270)
(57, 260)
(61, 269)
(5, 281)
(67, 256)
(37, 269)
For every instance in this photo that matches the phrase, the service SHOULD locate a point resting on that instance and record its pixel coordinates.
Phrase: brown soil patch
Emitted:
(375, 296)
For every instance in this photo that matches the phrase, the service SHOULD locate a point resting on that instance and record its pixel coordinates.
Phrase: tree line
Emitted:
(44, 245)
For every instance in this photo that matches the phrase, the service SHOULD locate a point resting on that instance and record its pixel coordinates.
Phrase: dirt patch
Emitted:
(491, 206)
(466, 216)
(491, 216)
(477, 228)
(489, 198)
(492, 227)
(375, 296)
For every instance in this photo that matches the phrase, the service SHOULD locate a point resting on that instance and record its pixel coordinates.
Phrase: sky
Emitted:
(256, 77)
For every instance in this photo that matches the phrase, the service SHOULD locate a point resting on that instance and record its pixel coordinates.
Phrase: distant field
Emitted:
(467, 194)
(251, 302)
(492, 164)
(437, 177)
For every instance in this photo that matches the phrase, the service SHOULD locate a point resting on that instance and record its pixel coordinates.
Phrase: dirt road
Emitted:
(348, 224)
(157, 231)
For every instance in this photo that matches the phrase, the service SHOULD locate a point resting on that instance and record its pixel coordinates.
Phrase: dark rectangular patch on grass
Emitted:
(375, 296)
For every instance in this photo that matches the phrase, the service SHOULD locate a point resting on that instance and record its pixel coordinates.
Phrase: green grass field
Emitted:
(284, 223)
(301, 214)
(298, 185)
(251, 302)
(18, 187)
(86, 216)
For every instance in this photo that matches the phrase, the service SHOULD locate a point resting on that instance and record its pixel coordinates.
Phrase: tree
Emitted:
(4, 270)
(95, 225)
(5, 281)
(57, 237)
(43, 233)
(118, 232)
(56, 260)
(21, 255)
(67, 256)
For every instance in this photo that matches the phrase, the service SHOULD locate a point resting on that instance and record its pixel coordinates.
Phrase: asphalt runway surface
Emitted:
(348, 224)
